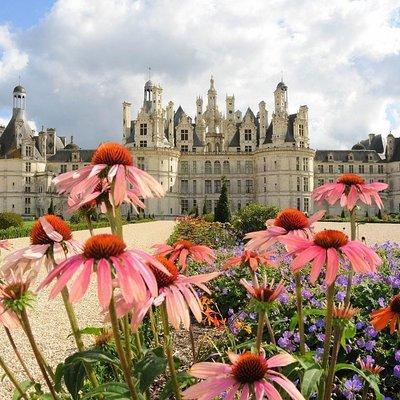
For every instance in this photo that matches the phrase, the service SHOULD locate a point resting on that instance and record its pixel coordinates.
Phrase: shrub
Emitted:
(200, 231)
(10, 219)
(208, 217)
(252, 217)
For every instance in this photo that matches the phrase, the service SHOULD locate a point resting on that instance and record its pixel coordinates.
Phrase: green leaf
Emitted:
(348, 333)
(310, 381)
(91, 330)
(306, 311)
(24, 386)
(184, 380)
(74, 375)
(58, 376)
(111, 391)
(149, 367)
(371, 379)
(92, 356)
(46, 396)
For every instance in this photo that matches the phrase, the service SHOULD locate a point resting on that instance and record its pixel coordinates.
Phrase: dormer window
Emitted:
(28, 151)
(370, 157)
(330, 157)
(247, 135)
(184, 134)
(143, 129)
(301, 130)
(350, 157)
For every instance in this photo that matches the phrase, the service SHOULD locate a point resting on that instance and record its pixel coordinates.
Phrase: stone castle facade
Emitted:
(263, 156)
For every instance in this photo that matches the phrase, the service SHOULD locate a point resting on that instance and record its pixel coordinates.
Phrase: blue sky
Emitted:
(23, 13)
(80, 59)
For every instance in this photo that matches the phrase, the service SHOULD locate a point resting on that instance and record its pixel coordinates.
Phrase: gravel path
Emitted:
(49, 321)
(48, 318)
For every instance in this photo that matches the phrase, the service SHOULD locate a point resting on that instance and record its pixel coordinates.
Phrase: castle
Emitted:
(264, 157)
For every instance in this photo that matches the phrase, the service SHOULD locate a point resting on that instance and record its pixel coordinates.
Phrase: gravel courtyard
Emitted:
(49, 320)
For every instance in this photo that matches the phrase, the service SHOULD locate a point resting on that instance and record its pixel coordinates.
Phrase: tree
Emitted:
(50, 210)
(205, 211)
(342, 215)
(223, 211)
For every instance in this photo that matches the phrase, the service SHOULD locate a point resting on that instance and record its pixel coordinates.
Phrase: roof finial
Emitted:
(19, 80)
(149, 69)
(281, 75)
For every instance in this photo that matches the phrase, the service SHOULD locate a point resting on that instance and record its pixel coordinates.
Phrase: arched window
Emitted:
(207, 167)
(226, 167)
(217, 167)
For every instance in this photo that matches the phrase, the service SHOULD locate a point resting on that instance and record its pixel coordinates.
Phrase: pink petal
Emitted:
(139, 313)
(65, 276)
(271, 392)
(317, 265)
(205, 370)
(305, 257)
(245, 392)
(104, 283)
(280, 360)
(81, 284)
(50, 231)
(208, 389)
(287, 385)
(332, 266)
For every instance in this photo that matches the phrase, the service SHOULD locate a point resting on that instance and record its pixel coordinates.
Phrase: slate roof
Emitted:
(65, 155)
(289, 137)
(396, 153)
(376, 144)
(343, 155)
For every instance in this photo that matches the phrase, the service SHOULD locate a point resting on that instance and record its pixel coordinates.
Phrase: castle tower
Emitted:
(230, 108)
(212, 95)
(170, 122)
(199, 106)
(126, 120)
(281, 98)
(263, 121)
(19, 101)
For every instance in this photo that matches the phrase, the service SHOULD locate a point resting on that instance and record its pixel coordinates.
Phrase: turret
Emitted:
(212, 95)
(263, 120)
(19, 101)
(281, 98)
(199, 106)
(126, 120)
(170, 122)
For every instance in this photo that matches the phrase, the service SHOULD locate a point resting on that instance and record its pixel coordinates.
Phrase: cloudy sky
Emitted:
(80, 59)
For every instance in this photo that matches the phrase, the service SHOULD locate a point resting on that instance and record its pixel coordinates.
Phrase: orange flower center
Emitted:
(291, 219)
(395, 304)
(350, 179)
(103, 246)
(14, 290)
(164, 280)
(250, 368)
(38, 235)
(187, 244)
(330, 239)
(112, 153)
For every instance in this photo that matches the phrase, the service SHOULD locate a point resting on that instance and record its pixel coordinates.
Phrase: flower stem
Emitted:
(270, 330)
(337, 334)
(351, 273)
(300, 314)
(127, 336)
(12, 378)
(38, 355)
(260, 330)
(120, 350)
(77, 335)
(89, 224)
(328, 333)
(153, 324)
(192, 343)
(168, 351)
(18, 354)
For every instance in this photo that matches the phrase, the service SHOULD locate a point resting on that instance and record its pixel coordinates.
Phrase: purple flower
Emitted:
(369, 360)
(360, 325)
(352, 386)
(397, 355)
(396, 371)
(369, 346)
(360, 343)
(371, 332)
(381, 302)
(340, 296)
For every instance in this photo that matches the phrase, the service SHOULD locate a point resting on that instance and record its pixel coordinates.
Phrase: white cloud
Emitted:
(85, 58)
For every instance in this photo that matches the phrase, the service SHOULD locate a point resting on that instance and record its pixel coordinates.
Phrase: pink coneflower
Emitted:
(252, 259)
(289, 221)
(178, 292)
(325, 249)
(350, 188)
(370, 366)
(49, 234)
(114, 163)
(106, 255)
(183, 249)
(247, 372)
(5, 244)
(266, 292)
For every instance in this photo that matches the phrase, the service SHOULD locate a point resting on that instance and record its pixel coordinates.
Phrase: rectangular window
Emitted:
(298, 201)
(248, 149)
(249, 186)
(341, 169)
(194, 187)
(330, 168)
(371, 169)
(140, 163)
(217, 186)
(143, 129)
(298, 184)
(184, 148)
(239, 186)
(63, 168)
(40, 189)
(143, 143)
(247, 135)
(380, 169)
(28, 180)
(248, 167)
(321, 182)
(320, 169)
(351, 169)
(27, 210)
(184, 134)
(306, 205)
(194, 167)
(28, 167)
(228, 185)
(238, 167)
(305, 164)
(305, 184)
(184, 167)
(184, 186)
(237, 149)
(75, 167)
(207, 186)
(297, 163)
(28, 151)
(301, 130)
(184, 206)
(361, 169)
(27, 200)
(27, 189)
